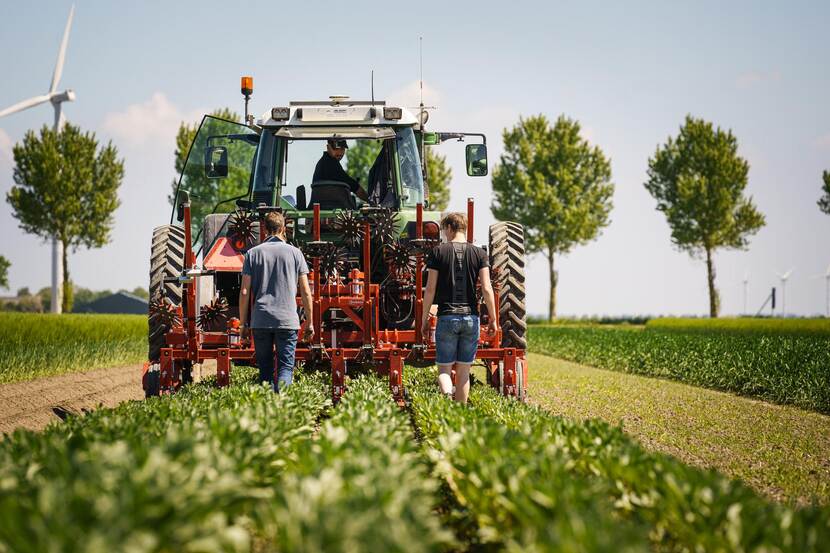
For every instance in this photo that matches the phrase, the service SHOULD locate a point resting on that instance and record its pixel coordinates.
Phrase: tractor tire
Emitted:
(166, 261)
(507, 257)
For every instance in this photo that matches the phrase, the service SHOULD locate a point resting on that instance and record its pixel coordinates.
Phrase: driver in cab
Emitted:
(329, 168)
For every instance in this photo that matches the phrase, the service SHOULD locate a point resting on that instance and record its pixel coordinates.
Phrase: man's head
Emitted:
(336, 148)
(274, 224)
(453, 223)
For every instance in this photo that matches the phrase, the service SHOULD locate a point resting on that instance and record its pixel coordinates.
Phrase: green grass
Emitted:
(785, 369)
(36, 345)
(797, 327)
(781, 451)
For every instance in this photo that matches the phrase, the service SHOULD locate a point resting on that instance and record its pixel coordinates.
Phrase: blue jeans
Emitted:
(456, 339)
(266, 340)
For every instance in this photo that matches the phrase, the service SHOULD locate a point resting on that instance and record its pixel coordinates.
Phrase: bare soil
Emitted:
(36, 403)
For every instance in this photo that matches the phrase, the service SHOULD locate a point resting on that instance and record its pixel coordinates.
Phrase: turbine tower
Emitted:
(746, 284)
(56, 98)
(826, 277)
(784, 278)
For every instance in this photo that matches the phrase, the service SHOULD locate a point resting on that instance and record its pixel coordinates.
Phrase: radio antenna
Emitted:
(422, 119)
(373, 86)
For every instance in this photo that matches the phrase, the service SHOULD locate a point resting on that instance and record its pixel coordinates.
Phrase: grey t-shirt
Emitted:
(274, 268)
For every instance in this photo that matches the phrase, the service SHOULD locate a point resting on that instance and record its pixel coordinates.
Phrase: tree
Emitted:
(4, 272)
(824, 201)
(361, 156)
(205, 192)
(439, 176)
(698, 180)
(553, 182)
(66, 188)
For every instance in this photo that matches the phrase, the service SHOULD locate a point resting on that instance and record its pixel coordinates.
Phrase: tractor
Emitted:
(366, 258)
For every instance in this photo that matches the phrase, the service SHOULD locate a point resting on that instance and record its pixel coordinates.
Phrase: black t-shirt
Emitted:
(455, 292)
(329, 168)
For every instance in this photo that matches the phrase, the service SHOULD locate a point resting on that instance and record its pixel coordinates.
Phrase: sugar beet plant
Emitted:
(686, 509)
(789, 369)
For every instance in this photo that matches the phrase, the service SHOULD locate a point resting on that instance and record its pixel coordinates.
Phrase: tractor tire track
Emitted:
(34, 404)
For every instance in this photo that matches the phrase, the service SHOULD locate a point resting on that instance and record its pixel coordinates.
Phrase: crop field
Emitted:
(777, 326)
(240, 469)
(746, 358)
(36, 345)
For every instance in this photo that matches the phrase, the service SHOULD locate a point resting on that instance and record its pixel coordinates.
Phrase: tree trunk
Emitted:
(714, 301)
(553, 278)
(67, 286)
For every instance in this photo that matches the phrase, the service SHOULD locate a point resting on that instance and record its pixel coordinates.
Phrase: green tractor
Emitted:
(235, 173)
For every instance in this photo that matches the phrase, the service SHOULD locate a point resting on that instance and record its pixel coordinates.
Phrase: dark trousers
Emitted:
(284, 342)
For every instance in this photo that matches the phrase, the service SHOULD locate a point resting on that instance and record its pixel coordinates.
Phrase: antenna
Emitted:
(373, 86)
(421, 118)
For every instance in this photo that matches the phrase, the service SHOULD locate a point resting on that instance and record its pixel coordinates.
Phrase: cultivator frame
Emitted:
(368, 348)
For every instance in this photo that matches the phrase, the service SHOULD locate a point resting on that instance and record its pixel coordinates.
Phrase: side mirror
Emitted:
(216, 162)
(476, 160)
(184, 197)
(302, 204)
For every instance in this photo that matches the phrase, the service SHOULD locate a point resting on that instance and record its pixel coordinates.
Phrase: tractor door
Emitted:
(218, 169)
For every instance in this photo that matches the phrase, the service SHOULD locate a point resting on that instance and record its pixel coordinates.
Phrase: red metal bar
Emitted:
(223, 368)
(470, 219)
(419, 269)
(317, 316)
(396, 375)
(338, 375)
(367, 281)
(189, 288)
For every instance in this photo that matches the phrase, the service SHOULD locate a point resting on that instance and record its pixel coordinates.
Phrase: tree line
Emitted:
(556, 184)
(549, 178)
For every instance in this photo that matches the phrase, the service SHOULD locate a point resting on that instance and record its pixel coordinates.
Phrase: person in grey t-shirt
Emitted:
(272, 272)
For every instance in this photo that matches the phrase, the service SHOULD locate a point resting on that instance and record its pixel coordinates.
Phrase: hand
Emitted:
(425, 328)
(492, 327)
(308, 333)
(245, 332)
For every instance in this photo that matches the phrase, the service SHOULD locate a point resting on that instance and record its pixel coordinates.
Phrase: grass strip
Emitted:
(744, 325)
(189, 472)
(791, 370)
(36, 345)
(780, 451)
(519, 489)
(688, 509)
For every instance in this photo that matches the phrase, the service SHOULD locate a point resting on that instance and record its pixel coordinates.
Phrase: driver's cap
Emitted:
(337, 143)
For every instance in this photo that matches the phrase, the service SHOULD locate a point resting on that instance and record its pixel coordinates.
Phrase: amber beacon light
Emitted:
(247, 86)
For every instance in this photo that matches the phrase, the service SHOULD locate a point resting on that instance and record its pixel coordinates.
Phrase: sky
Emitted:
(629, 72)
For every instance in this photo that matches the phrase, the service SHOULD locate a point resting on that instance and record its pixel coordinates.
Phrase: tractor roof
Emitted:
(339, 111)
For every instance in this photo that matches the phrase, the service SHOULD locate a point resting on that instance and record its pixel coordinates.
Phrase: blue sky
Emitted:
(629, 72)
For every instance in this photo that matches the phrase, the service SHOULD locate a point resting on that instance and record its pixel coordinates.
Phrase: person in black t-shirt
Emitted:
(329, 168)
(454, 269)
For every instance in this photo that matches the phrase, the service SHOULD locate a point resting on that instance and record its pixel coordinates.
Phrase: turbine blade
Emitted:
(25, 104)
(56, 76)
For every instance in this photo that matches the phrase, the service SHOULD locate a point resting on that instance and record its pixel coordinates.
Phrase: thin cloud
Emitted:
(410, 95)
(750, 79)
(153, 122)
(822, 142)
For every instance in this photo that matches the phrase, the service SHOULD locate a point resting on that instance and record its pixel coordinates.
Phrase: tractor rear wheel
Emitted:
(166, 262)
(507, 257)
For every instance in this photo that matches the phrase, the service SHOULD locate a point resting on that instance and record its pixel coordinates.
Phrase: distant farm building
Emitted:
(120, 302)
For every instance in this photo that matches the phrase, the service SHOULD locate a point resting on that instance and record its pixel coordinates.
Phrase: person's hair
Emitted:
(274, 223)
(457, 222)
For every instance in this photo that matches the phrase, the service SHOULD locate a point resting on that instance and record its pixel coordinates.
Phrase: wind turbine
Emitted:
(56, 98)
(826, 277)
(746, 283)
(784, 278)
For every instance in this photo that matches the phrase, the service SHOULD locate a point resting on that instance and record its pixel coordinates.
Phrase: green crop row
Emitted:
(518, 490)
(185, 473)
(783, 369)
(362, 485)
(34, 345)
(686, 509)
(778, 326)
